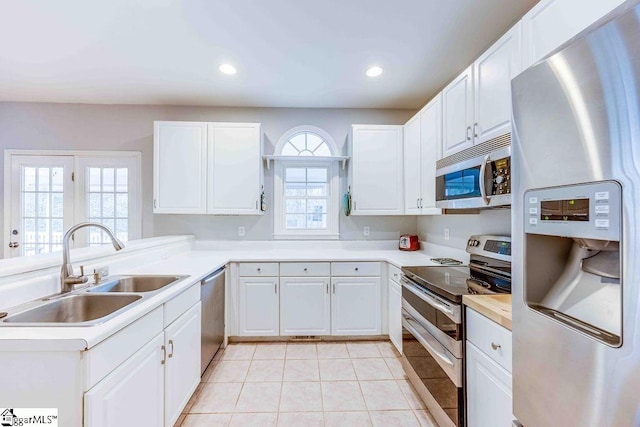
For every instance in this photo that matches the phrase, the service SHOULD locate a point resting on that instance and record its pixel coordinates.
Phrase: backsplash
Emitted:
(495, 221)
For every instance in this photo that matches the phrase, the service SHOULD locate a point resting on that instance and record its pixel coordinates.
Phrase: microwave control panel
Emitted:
(501, 176)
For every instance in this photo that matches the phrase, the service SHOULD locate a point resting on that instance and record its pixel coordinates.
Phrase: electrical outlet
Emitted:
(367, 230)
(446, 234)
(241, 231)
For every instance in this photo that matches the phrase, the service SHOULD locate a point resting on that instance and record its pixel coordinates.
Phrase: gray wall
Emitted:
(431, 229)
(130, 127)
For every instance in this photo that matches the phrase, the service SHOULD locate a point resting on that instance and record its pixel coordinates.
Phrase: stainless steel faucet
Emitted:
(67, 278)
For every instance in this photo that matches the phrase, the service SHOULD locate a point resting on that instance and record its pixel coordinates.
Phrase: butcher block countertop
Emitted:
(495, 307)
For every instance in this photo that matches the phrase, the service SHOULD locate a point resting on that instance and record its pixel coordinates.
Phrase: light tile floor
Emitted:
(306, 384)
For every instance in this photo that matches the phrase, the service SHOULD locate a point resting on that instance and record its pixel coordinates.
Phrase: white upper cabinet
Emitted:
(375, 170)
(235, 168)
(477, 104)
(179, 167)
(412, 166)
(492, 74)
(422, 143)
(457, 101)
(213, 168)
(552, 22)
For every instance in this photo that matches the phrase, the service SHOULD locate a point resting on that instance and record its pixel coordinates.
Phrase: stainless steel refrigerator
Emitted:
(576, 230)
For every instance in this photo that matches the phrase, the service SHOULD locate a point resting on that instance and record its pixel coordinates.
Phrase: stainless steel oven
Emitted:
(433, 326)
(432, 336)
(478, 177)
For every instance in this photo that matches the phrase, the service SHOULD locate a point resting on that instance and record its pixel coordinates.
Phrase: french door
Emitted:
(41, 204)
(50, 193)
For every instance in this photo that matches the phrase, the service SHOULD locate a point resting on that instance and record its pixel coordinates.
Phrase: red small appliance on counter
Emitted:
(409, 242)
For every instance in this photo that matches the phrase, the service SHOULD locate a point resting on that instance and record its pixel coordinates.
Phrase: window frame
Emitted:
(332, 232)
(333, 208)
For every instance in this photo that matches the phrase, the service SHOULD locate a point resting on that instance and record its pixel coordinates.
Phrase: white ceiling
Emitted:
(289, 53)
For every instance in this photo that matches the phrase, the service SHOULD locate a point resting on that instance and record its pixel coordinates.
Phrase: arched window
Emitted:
(306, 144)
(306, 201)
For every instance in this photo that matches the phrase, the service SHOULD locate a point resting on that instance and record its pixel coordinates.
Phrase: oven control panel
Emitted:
(498, 247)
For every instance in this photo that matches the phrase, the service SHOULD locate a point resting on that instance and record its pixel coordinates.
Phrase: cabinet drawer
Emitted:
(256, 269)
(355, 269)
(491, 338)
(109, 354)
(394, 273)
(302, 269)
(181, 303)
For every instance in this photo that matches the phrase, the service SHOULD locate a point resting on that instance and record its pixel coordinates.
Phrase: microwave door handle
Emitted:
(482, 178)
(411, 325)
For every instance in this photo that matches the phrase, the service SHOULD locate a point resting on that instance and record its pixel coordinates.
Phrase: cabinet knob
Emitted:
(306, 269)
(356, 268)
(495, 346)
(259, 269)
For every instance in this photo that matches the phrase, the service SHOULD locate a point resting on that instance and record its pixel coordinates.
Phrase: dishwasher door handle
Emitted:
(213, 276)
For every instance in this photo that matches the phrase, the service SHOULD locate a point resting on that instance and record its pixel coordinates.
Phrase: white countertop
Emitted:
(197, 264)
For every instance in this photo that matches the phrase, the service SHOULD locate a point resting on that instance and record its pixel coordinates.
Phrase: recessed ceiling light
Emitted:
(374, 71)
(227, 69)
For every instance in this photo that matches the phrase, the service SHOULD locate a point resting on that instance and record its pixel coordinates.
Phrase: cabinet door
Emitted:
(431, 145)
(355, 306)
(412, 166)
(395, 314)
(375, 170)
(550, 23)
(259, 310)
(489, 397)
(179, 167)
(133, 394)
(182, 367)
(305, 306)
(235, 168)
(492, 75)
(457, 103)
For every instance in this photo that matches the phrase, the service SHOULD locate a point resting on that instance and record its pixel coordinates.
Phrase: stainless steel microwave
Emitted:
(482, 181)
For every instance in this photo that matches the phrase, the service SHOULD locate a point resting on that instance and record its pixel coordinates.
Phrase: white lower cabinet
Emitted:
(259, 306)
(182, 363)
(133, 394)
(153, 385)
(355, 306)
(395, 312)
(305, 306)
(338, 298)
(488, 391)
(488, 364)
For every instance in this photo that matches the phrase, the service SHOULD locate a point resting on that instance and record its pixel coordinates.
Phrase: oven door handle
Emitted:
(428, 299)
(482, 178)
(411, 326)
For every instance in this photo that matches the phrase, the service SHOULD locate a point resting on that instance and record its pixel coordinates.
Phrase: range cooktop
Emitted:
(453, 282)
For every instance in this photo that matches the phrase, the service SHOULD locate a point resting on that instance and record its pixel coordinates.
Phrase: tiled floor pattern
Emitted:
(325, 384)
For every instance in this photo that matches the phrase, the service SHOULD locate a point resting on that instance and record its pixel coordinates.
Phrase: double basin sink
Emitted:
(91, 305)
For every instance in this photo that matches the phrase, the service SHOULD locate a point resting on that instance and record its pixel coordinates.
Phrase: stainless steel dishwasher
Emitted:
(212, 298)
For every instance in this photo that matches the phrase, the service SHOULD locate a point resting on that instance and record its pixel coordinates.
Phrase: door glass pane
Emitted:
(42, 209)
